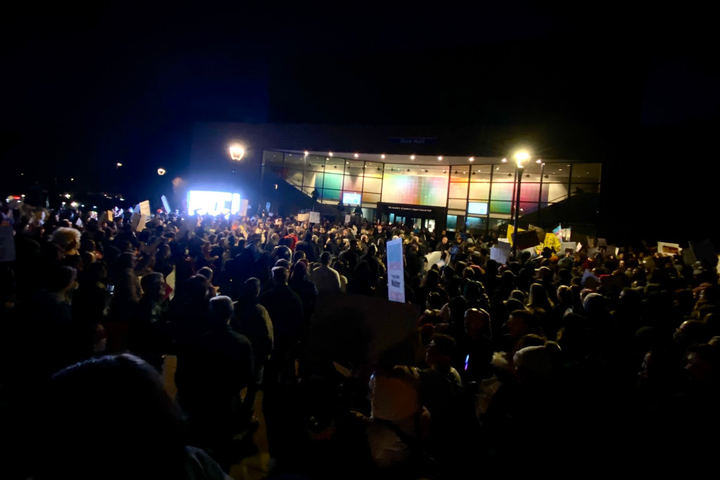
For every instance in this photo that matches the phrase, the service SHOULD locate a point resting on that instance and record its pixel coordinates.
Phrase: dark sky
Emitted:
(85, 87)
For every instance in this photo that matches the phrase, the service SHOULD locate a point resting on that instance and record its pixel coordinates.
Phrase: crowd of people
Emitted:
(534, 363)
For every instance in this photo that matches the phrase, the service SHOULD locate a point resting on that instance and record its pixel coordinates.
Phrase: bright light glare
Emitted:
(472, 159)
(307, 153)
(382, 156)
(161, 171)
(522, 155)
(237, 152)
(412, 157)
(439, 158)
(214, 203)
(119, 164)
(67, 195)
(356, 155)
(330, 154)
(504, 160)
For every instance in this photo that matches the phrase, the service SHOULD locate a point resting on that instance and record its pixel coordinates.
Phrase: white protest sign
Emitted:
(7, 244)
(668, 249)
(314, 217)
(145, 208)
(303, 217)
(432, 259)
(79, 222)
(396, 273)
(500, 255)
(166, 205)
(347, 219)
(243, 207)
(568, 247)
(138, 222)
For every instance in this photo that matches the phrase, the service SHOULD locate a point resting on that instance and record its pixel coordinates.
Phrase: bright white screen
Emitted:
(214, 203)
(351, 198)
(478, 208)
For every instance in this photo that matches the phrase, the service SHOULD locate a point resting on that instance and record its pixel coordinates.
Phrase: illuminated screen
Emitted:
(478, 208)
(214, 203)
(415, 190)
(350, 198)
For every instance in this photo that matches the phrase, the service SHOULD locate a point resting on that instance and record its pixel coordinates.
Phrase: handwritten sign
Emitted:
(396, 274)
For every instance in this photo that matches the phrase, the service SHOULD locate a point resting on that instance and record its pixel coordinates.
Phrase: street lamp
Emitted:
(520, 157)
(237, 152)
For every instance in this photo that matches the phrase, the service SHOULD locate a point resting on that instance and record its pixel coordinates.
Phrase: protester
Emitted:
(476, 383)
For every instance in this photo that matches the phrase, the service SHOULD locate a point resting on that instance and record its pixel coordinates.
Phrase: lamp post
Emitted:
(520, 157)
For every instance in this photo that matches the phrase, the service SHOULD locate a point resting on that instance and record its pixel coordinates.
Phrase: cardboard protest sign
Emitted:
(138, 221)
(303, 217)
(7, 244)
(314, 217)
(668, 249)
(166, 205)
(526, 240)
(145, 208)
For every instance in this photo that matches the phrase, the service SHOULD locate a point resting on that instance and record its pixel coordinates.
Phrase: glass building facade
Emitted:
(480, 195)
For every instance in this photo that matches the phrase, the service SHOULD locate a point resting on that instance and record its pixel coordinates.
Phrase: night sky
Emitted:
(85, 87)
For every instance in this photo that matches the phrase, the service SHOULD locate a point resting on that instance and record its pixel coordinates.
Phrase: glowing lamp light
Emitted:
(521, 156)
(119, 164)
(356, 155)
(439, 158)
(538, 161)
(412, 157)
(237, 152)
(504, 160)
(330, 154)
(67, 195)
(382, 156)
(161, 171)
(306, 153)
(471, 159)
